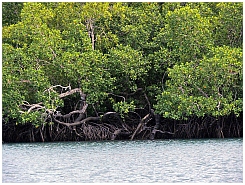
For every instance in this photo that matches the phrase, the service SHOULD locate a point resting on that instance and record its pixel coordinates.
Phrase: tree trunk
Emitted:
(155, 129)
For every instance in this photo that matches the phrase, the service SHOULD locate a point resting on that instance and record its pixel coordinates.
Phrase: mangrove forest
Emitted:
(81, 71)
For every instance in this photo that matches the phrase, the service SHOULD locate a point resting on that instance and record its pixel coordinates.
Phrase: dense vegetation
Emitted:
(88, 71)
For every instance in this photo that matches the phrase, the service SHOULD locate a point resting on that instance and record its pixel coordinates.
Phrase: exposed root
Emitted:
(140, 124)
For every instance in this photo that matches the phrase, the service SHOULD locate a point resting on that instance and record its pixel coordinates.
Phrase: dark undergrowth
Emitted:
(113, 127)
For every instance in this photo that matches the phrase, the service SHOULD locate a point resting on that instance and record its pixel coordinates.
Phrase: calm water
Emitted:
(169, 161)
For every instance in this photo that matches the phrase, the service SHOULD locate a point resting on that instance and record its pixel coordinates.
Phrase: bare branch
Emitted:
(145, 120)
(29, 107)
(77, 123)
(202, 92)
(74, 112)
(117, 96)
(163, 79)
(52, 88)
(35, 106)
(54, 54)
(165, 132)
(181, 88)
(62, 95)
(148, 102)
(218, 106)
(24, 81)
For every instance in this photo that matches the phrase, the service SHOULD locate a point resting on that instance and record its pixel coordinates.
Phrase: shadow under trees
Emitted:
(73, 123)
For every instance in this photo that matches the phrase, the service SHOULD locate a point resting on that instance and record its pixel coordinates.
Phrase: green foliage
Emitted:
(141, 21)
(187, 57)
(126, 65)
(187, 33)
(229, 28)
(39, 56)
(11, 12)
(123, 107)
(210, 87)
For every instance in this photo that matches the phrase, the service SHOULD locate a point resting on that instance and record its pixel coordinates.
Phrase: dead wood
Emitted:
(143, 122)
(82, 111)
(108, 126)
(77, 123)
(70, 92)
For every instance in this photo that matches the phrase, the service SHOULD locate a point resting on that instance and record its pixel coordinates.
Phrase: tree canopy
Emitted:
(185, 57)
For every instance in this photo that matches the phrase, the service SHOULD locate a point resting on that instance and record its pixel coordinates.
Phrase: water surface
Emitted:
(209, 160)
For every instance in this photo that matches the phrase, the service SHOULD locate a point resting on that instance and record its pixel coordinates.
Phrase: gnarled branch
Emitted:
(76, 123)
(62, 95)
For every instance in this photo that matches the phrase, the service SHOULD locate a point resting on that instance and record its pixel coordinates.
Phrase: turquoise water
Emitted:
(209, 160)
